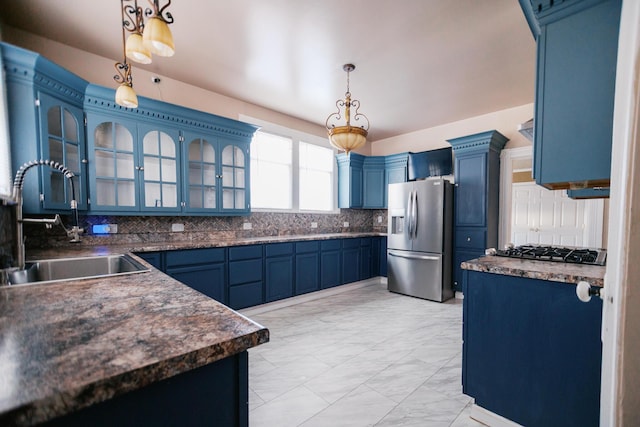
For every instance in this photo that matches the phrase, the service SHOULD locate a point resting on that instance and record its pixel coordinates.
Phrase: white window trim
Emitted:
(296, 137)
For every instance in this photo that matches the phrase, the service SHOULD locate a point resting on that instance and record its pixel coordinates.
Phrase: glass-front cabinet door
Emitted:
(159, 169)
(235, 170)
(200, 173)
(62, 136)
(113, 172)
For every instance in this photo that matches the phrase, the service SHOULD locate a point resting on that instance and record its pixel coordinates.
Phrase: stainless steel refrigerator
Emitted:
(420, 234)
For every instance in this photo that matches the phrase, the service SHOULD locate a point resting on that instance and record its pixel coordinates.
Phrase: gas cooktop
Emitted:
(555, 253)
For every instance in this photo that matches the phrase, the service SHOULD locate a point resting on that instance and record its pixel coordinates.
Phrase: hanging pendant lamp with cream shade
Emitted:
(145, 39)
(157, 35)
(347, 137)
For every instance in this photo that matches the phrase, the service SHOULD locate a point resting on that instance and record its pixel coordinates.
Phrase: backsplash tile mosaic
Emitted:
(134, 229)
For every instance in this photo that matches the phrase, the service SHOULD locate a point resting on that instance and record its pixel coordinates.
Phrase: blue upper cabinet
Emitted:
(161, 159)
(363, 180)
(46, 121)
(577, 44)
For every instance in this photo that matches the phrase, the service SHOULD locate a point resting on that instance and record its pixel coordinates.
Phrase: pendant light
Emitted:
(154, 36)
(347, 137)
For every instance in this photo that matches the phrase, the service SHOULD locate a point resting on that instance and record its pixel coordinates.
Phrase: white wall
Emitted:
(504, 121)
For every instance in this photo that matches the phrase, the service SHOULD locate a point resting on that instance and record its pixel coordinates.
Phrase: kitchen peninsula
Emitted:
(532, 349)
(140, 349)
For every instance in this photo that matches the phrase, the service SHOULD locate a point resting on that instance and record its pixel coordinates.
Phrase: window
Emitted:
(5, 159)
(291, 171)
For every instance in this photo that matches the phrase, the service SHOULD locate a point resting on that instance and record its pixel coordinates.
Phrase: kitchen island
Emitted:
(139, 349)
(531, 349)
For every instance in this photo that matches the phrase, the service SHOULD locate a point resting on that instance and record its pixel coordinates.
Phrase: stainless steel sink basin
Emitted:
(56, 270)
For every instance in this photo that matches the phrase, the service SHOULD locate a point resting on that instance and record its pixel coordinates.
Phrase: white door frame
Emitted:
(594, 209)
(620, 389)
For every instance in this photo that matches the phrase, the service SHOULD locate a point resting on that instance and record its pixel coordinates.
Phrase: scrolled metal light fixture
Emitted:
(347, 137)
(154, 37)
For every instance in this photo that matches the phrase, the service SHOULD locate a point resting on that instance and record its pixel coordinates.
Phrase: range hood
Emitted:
(526, 129)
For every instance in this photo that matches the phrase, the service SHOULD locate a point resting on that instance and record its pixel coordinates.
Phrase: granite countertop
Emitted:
(533, 269)
(67, 345)
(109, 248)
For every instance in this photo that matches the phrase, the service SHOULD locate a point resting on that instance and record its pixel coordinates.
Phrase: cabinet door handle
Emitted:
(468, 239)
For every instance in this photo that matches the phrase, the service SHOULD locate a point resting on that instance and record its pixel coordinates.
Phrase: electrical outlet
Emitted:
(379, 219)
(345, 224)
(246, 226)
(177, 228)
(314, 225)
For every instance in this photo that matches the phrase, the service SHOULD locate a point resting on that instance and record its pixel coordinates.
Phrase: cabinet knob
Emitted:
(85, 161)
(468, 239)
(585, 291)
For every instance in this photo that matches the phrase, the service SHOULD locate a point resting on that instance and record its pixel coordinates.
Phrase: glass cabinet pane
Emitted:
(54, 121)
(160, 170)
(70, 127)
(233, 178)
(202, 174)
(114, 165)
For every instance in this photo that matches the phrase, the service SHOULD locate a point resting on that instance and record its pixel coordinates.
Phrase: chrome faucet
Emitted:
(18, 183)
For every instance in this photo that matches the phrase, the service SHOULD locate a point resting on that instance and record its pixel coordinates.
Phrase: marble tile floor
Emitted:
(364, 357)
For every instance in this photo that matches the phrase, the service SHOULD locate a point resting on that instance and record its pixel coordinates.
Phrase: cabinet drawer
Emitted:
(194, 256)
(245, 271)
(277, 249)
(245, 252)
(246, 295)
(350, 243)
(471, 238)
(330, 245)
(305, 247)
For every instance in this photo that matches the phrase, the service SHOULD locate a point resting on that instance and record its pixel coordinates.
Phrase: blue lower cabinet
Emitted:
(350, 260)
(245, 295)
(365, 258)
(201, 269)
(206, 279)
(330, 263)
(383, 256)
(245, 276)
(460, 256)
(278, 266)
(153, 258)
(211, 395)
(531, 350)
(307, 277)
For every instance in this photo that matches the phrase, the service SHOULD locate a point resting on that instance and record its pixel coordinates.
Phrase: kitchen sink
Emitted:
(65, 269)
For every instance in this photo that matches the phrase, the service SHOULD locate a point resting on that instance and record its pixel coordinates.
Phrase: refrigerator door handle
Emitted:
(414, 214)
(408, 218)
(403, 255)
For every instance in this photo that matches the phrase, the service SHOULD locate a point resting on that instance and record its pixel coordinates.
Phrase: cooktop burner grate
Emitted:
(557, 254)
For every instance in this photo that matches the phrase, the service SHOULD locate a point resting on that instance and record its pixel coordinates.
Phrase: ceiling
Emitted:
(419, 63)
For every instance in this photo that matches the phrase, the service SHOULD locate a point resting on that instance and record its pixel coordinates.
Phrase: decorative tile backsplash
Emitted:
(133, 229)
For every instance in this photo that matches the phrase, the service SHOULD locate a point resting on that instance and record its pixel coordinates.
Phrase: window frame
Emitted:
(296, 138)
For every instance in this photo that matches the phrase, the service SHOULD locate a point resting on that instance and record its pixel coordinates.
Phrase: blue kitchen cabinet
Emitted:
(351, 270)
(307, 276)
(589, 193)
(201, 269)
(156, 259)
(574, 102)
(531, 350)
(375, 256)
(216, 394)
(245, 276)
(366, 258)
(278, 266)
(476, 204)
(395, 170)
(383, 256)
(46, 121)
(330, 263)
(161, 159)
(373, 182)
(350, 180)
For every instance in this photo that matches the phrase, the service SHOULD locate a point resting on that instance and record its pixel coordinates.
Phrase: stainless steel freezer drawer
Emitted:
(418, 274)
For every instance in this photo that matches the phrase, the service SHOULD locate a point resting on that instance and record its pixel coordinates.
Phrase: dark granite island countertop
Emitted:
(533, 269)
(67, 345)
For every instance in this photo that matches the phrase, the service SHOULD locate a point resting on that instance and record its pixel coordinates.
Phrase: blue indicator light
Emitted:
(100, 229)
